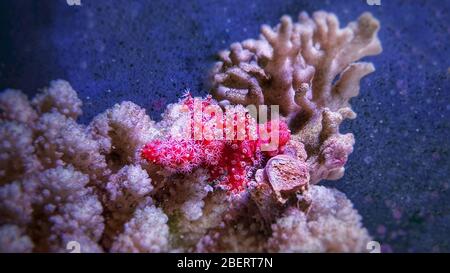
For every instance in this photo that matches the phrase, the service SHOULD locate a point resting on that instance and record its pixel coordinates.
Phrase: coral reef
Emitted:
(202, 179)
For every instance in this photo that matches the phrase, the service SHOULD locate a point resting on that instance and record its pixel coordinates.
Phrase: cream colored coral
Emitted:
(125, 191)
(213, 211)
(61, 97)
(14, 106)
(202, 218)
(17, 154)
(241, 229)
(60, 140)
(122, 131)
(186, 194)
(62, 205)
(129, 185)
(331, 225)
(13, 239)
(63, 184)
(295, 61)
(147, 231)
(174, 119)
(185, 200)
(15, 204)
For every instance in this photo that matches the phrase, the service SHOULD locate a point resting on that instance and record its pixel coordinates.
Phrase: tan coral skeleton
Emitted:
(311, 70)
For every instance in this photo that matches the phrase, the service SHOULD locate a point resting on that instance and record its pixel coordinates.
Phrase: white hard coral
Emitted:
(63, 205)
(331, 224)
(125, 191)
(60, 140)
(191, 205)
(55, 182)
(60, 97)
(47, 160)
(14, 106)
(310, 70)
(128, 186)
(13, 239)
(121, 132)
(186, 234)
(69, 186)
(15, 204)
(241, 229)
(17, 153)
(147, 231)
(185, 194)
(51, 206)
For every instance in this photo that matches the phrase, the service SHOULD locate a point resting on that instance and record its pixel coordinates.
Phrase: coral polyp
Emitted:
(229, 148)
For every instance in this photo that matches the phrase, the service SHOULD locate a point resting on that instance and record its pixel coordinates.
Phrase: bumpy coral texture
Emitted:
(329, 226)
(145, 232)
(14, 240)
(310, 70)
(62, 182)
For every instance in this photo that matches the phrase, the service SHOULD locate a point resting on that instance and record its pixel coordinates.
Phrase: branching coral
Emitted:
(15, 106)
(60, 180)
(147, 231)
(64, 206)
(121, 132)
(196, 180)
(14, 240)
(309, 69)
(185, 194)
(53, 204)
(125, 191)
(17, 153)
(15, 204)
(61, 97)
(60, 140)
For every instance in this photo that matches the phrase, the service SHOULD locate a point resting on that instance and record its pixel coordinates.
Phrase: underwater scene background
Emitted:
(148, 52)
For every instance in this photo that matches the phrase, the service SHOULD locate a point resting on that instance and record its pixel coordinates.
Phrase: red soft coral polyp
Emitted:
(174, 154)
(238, 161)
(273, 146)
(230, 162)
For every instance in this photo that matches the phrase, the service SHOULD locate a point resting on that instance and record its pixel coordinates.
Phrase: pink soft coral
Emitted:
(231, 156)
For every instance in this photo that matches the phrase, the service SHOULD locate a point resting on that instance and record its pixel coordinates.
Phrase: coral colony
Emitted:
(229, 146)
(226, 173)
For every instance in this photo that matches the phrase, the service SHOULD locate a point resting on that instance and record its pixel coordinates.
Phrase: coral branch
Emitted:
(308, 68)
